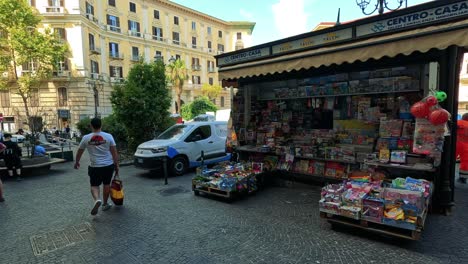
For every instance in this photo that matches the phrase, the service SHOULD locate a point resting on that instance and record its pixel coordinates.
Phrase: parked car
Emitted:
(182, 146)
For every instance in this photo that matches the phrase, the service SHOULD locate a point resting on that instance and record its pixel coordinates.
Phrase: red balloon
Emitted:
(431, 100)
(439, 117)
(420, 110)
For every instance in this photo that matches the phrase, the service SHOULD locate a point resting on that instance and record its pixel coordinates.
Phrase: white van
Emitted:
(182, 145)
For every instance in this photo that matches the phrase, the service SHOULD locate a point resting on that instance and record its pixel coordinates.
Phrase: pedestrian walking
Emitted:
(104, 161)
(12, 157)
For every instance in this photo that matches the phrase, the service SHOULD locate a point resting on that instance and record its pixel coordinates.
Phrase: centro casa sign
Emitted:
(244, 56)
(418, 18)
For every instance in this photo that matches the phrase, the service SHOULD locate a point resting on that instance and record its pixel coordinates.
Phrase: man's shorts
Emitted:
(13, 162)
(100, 175)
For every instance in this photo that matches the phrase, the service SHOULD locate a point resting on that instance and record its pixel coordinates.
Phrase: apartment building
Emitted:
(106, 37)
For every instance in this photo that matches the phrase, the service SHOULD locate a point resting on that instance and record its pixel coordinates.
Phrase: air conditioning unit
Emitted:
(92, 18)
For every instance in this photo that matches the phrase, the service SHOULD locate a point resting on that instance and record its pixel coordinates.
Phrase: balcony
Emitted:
(135, 58)
(211, 69)
(61, 74)
(196, 67)
(176, 42)
(116, 55)
(92, 18)
(116, 80)
(53, 11)
(194, 46)
(158, 38)
(220, 52)
(94, 50)
(95, 76)
(134, 33)
(113, 28)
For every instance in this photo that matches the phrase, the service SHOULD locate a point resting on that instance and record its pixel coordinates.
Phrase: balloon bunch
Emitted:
(429, 108)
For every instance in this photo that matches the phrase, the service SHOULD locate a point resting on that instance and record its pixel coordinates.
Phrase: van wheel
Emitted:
(178, 166)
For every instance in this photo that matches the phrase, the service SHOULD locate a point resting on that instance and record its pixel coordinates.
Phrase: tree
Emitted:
(21, 44)
(142, 103)
(177, 74)
(211, 90)
(199, 106)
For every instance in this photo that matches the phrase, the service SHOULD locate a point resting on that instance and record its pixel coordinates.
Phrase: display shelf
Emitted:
(336, 95)
(399, 166)
(256, 150)
(317, 176)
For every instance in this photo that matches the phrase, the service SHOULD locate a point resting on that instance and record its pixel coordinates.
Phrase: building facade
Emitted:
(105, 38)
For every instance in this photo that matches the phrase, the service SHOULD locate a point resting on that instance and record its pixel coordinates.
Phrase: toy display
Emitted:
(227, 178)
(400, 204)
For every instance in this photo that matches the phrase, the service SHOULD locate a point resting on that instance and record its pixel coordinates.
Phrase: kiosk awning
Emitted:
(407, 42)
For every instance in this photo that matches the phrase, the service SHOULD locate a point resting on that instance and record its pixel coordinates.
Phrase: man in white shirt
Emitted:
(104, 161)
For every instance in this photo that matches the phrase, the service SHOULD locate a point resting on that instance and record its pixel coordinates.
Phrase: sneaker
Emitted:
(2, 199)
(106, 207)
(96, 207)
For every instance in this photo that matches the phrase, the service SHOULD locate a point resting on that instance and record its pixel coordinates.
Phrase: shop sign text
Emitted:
(244, 56)
(418, 18)
(317, 40)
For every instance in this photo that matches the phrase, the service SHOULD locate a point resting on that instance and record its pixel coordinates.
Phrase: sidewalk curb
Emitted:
(126, 163)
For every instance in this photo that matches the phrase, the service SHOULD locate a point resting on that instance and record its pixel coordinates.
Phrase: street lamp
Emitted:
(94, 86)
(381, 5)
(172, 59)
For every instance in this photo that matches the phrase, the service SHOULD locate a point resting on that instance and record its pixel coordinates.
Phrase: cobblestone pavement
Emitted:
(46, 219)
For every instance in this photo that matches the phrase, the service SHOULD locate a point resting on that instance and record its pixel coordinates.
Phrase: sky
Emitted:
(277, 19)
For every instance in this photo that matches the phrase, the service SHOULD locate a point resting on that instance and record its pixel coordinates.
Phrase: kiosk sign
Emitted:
(244, 56)
(413, 19)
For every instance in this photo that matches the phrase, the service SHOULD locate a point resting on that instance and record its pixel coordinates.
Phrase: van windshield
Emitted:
(175, 132)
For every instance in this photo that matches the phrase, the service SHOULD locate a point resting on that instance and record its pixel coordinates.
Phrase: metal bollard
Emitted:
(63, 154)
(202, 159)
(165, 170)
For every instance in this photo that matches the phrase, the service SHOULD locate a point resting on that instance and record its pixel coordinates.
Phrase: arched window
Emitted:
(62, 96)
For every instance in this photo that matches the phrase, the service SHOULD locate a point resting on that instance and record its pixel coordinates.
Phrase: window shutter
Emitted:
(118, 21)
(108, 20)
(129, 25)
(138, 26)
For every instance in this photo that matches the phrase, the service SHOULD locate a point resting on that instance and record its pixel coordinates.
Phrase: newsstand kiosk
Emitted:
(367, 107)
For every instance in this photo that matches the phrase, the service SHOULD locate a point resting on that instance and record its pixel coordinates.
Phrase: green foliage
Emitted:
(84, 126)
(177, 74)
(21, 43)
(212, 91)
(111, 124)
(142, 103)
(199, 106)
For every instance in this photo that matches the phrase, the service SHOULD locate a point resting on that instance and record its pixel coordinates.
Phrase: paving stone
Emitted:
(168, 224)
